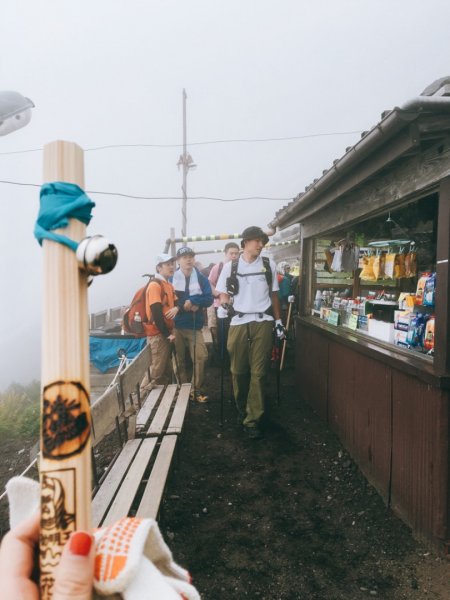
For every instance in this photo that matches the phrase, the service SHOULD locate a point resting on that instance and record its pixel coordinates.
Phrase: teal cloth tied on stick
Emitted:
(60, 202)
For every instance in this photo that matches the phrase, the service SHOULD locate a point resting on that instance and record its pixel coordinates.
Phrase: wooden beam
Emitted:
(442, 330)
(151, 500)
(128, 489)
(109, 487)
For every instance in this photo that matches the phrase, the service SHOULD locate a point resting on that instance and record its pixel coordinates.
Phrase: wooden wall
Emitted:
(395, 427)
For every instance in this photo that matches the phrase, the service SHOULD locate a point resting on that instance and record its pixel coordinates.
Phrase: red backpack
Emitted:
(135, 317)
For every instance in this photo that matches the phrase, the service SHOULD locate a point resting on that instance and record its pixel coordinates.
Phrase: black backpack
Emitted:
(233, 282)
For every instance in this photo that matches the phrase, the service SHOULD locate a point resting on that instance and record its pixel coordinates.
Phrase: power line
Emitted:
(135, 197)
(204, 143)
(229, 141)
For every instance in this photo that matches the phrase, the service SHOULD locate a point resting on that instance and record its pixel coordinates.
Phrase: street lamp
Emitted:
(15, 111)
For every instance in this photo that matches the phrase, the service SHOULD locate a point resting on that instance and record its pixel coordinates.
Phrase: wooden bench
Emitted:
(134, 484)
(163, 412)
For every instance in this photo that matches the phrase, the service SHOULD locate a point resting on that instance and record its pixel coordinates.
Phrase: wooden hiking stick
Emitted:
(65, 465)
(288, 324)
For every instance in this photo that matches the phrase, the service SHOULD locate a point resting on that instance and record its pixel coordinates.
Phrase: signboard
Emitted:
(353, 322)
(333, 318)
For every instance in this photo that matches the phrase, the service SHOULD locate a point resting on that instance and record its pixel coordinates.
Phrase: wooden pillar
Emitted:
(442, 330)
(65, 467)
(306, 276)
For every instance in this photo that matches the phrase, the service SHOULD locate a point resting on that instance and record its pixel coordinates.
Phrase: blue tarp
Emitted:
(103, 350)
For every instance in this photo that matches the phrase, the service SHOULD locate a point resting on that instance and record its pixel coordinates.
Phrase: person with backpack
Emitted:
(194, 294)
(219, 331)
(248, 290)
(161, 309)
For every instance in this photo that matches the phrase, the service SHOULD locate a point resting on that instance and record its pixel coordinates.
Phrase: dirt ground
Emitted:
(288, 517)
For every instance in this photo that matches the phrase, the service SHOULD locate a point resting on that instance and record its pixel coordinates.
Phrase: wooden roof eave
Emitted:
(366, 158)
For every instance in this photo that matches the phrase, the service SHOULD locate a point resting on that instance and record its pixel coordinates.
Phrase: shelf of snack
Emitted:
(378, 277)
(405, 319)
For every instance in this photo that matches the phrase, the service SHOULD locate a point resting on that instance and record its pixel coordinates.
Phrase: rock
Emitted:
(414, 584)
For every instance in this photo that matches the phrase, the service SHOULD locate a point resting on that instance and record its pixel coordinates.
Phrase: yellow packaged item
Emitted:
(378, 266)
(367, 268)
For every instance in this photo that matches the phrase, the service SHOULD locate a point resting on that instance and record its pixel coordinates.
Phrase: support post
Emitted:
(442, 335)
(65, 467)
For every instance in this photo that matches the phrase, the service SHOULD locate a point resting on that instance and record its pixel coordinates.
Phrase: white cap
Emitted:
(163, 258)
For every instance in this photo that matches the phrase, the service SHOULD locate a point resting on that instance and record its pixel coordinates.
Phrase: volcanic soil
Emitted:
(287, 517)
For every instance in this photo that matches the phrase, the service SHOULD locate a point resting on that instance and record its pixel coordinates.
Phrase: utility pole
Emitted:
(187, 163)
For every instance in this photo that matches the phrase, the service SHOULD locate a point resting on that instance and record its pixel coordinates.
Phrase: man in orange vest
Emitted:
(161, 310)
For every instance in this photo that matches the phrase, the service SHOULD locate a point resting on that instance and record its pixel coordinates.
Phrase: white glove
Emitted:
(280, 330)
(291, 299)
(221, 313)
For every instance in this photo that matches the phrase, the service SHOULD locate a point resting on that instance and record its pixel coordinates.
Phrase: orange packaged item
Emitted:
(421, 287)
(411, 264)
(428, 342)
(399, 266)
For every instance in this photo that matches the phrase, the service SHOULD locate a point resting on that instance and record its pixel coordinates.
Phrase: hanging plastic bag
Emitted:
(411, 264)
(367, 269)
(389, 263)
(378, 266)
(399, 266)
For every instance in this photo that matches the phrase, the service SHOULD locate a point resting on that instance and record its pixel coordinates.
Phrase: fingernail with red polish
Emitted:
(80, 543)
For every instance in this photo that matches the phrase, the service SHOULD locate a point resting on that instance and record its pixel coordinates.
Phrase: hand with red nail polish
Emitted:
(74, 575)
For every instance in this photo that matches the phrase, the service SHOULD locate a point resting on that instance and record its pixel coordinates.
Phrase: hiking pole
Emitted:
(194, 357)
(276, 364)
(222, 367)
(173, 351)
(288, 324)
(65, 440)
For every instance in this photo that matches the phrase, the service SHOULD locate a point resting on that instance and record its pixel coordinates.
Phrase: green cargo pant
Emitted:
(250, 347)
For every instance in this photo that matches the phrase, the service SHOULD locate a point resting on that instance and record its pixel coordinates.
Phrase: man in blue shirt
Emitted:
(194, 294)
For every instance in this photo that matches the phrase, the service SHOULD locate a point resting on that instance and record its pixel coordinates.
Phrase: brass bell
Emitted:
(96, 255)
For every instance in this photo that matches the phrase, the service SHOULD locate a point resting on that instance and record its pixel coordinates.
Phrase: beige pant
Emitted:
(212, 318)
(161, 369)
(193, 340)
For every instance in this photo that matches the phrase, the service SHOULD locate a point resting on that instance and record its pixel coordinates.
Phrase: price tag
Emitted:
(353, 322)
(333, 318)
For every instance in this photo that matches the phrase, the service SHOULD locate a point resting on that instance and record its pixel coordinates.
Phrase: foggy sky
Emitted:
(112, 72)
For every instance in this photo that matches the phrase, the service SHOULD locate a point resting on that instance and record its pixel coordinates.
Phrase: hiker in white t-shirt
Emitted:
(249, 290)
(219, 330)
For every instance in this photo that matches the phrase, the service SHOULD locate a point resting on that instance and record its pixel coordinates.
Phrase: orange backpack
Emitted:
(135, 316)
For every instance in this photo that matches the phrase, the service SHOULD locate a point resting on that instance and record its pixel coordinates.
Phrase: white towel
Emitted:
(179, 282)
(131, 559)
